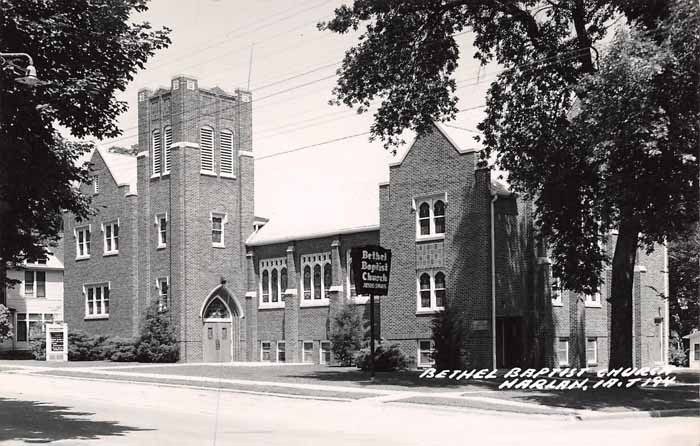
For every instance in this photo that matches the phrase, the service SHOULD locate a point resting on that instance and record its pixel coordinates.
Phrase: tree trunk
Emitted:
(621, 293)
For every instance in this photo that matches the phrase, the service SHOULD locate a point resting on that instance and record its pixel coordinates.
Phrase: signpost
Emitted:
(371, 266)
(56, 342)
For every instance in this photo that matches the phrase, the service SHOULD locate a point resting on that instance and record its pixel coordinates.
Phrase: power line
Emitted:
(532, 65)
(236, 32)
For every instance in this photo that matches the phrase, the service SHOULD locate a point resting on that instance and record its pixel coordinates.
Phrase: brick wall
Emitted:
(111, 204)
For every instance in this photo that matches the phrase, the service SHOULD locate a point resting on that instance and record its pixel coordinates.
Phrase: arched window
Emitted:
(327, 277)
(168, 134)
(283, 283)
(265, 287)
(274, 286)
(439, 216)
(226, 145)
(157, 152)
(424, 218)
(317, 282)
(307, 282)
(206, 149)
(217, 310)
(425, 290)
(439, 290)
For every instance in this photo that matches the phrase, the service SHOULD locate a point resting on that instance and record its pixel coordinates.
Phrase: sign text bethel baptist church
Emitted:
(370, 269)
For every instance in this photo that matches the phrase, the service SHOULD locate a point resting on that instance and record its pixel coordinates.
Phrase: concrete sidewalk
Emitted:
(459, 399)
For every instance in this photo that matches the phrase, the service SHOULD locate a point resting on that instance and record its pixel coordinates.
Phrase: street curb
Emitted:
(592, 415)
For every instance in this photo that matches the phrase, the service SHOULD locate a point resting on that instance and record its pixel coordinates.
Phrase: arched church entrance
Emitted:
(220, 327)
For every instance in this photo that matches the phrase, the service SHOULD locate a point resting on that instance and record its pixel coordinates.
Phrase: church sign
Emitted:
(370, 268)
(56, 342)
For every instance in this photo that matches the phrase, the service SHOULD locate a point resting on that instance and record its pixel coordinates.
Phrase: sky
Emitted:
(212, 40)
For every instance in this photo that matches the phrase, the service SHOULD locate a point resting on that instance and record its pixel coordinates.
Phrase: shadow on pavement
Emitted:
(36, 422)
(633, 399)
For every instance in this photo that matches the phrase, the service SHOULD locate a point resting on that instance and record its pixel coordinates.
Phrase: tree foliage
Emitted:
(684, 290)
(599, 138)
(157, 341)
(5, 323)
(87, 51)
(449, 334)
(346, 334)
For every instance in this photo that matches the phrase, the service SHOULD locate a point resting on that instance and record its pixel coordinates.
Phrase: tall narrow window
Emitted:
(96, 184)
(168, 133)
(162, 222)
(22, 327)
(274, 286)
(425, 353)
(206, 149)
(226, 153)
(327, 278)
(307, 282)
(265, 287)
(439, 290)
(563, 351)
(425, 290)
(265, 351)
(111, 238)
(308, 355)
(283, 283)
(217, 229)
(439, 216)
(424, 218)
(157, 152)
(29, 283)
(317, 282)
(591, 351)
(281, 351)
(40, 284)
(82, 240)
(163, 294)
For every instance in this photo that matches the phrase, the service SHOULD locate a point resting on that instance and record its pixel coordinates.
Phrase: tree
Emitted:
(545, 116)
(684, 290)
(449, 333)
(346, 334)
(86, 50)
(5, 323)
(157, 342)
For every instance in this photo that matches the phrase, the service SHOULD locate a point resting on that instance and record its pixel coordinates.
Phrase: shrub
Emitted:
(119, 349)
(85, 347)
(677, 352)
(346, 334)
(37, 344)
(5, 323)
(449, 333)
(386, 358)
(157, 342)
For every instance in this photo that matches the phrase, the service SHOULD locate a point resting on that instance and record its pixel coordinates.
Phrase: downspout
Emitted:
(493, 284)
(667, 321)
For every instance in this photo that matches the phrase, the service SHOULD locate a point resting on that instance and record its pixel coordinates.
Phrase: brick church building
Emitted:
(176, 225)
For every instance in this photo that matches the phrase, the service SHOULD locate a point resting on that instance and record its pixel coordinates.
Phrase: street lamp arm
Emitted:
(17, 56)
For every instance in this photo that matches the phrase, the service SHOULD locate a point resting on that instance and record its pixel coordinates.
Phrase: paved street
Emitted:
(35, 408)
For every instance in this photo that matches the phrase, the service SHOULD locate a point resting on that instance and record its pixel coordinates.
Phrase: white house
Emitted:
(694, 352)
(36, 299)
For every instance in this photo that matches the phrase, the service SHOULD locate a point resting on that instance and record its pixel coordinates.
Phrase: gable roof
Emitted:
(461, 140)
(122, 167)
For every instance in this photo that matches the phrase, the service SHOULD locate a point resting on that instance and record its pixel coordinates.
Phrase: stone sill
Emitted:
(317, 303)
(97, 317)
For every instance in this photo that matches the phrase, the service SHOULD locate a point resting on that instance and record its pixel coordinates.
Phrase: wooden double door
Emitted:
(217, 341)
